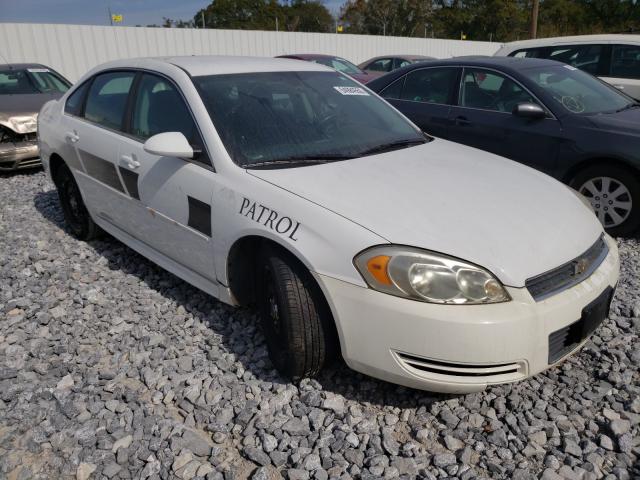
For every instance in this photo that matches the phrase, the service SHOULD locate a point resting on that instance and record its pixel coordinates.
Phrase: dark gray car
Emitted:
(24, 89)
(545, 114)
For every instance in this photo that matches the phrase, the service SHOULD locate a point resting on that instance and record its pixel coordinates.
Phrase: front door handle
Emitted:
(129, 161)
(462, 121)
(72, 137)
(619, 87)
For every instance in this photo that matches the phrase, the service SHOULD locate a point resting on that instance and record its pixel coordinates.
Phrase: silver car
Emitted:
(24, 88)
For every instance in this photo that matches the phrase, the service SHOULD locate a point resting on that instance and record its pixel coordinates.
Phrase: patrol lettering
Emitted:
(269, 218)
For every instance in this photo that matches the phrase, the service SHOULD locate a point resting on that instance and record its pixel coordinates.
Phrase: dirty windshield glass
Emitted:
(275, 117)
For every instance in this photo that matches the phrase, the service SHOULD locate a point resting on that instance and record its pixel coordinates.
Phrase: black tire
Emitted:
(296, 320)
(75, 211)
(619, 176)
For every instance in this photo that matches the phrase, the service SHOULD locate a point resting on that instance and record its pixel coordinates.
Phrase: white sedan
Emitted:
(290, 187)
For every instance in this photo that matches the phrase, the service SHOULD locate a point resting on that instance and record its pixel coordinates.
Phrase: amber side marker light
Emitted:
(377, 267)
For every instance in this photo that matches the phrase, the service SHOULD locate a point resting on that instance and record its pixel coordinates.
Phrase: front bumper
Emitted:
(457, 348)
(16, 156)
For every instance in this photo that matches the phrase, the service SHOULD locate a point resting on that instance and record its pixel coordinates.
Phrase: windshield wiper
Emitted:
(304, 159)
(387, 147)
(628, 107)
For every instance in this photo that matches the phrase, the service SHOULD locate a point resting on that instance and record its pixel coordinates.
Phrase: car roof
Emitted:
(21, 66)
(541, 42)
(504, 63)
(409, 57)
(307, 56)
(199, 65)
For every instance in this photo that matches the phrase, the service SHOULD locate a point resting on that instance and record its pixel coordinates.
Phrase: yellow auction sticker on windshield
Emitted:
(352, 91)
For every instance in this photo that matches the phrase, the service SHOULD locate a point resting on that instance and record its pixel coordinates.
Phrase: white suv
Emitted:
(613, 58)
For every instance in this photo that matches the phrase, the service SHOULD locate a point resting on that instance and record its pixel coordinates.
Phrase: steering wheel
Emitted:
(328, 123)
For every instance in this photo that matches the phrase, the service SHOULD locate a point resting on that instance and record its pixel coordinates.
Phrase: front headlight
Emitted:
(428, 277)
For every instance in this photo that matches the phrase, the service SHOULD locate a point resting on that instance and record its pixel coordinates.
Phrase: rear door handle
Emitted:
(462, 121)
(72, 137)
(129, 161)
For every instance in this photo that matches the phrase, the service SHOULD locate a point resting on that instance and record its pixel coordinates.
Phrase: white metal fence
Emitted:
(74, 49)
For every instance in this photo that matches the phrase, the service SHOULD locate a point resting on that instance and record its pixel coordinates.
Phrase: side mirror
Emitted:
(169, 144)
(529, 110)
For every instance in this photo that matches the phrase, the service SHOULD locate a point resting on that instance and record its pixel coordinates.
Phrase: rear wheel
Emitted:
(75, 212)
(295, 316)
(614, 194)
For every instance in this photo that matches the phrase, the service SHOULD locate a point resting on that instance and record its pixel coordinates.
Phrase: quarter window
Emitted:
(430, 85)
(393, 91)
(107, 99)
(491, 91)
(625, 61)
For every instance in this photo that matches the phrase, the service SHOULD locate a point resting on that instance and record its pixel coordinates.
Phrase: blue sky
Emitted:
(94, 12)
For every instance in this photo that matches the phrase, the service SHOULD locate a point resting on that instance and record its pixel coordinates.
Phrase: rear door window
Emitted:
(430, 85)
(625, 61)
(584, 57)
(107, 99)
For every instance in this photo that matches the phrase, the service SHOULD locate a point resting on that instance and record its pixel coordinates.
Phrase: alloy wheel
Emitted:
(610, 199)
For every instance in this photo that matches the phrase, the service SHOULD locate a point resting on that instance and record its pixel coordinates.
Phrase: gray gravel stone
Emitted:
(112, 368)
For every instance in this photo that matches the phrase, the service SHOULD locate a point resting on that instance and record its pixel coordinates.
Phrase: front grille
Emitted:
(569, 274)
(456, 372)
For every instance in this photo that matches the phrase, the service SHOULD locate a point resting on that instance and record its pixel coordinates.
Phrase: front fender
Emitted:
(323, 240)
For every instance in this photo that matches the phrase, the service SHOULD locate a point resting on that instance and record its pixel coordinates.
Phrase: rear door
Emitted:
(170, 198)
(483, 119)
(624, 72)
(425, 96)
(93, 132)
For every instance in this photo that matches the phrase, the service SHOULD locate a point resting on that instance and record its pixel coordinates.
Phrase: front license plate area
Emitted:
(563, 341)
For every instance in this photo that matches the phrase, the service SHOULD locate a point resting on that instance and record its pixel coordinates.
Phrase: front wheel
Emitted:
(75, 211)
(295, 317)
(614, 194)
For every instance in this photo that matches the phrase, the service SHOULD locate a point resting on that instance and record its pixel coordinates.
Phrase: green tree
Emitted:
(298, 15)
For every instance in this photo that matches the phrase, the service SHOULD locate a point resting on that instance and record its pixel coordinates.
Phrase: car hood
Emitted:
(627, 121)
(457, 200)
(19, 112)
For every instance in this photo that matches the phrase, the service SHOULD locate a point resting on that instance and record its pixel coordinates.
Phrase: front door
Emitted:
(171, 197)
(483, 119)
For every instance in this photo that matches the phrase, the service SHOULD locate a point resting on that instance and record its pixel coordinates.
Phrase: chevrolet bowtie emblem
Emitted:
(580, 266)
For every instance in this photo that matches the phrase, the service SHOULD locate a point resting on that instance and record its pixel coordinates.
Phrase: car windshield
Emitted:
(31, 80)
(339, 64)
(271, 118)
(577, 91)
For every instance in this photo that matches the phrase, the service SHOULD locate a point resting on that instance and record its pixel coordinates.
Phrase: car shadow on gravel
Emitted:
(336, 378)
(15, 173)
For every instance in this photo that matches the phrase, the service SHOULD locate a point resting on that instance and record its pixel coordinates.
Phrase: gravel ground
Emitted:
(112, 368)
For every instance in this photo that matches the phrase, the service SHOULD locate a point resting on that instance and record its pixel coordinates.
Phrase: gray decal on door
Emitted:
(199, 216)
(270, 218)
(102, 170)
